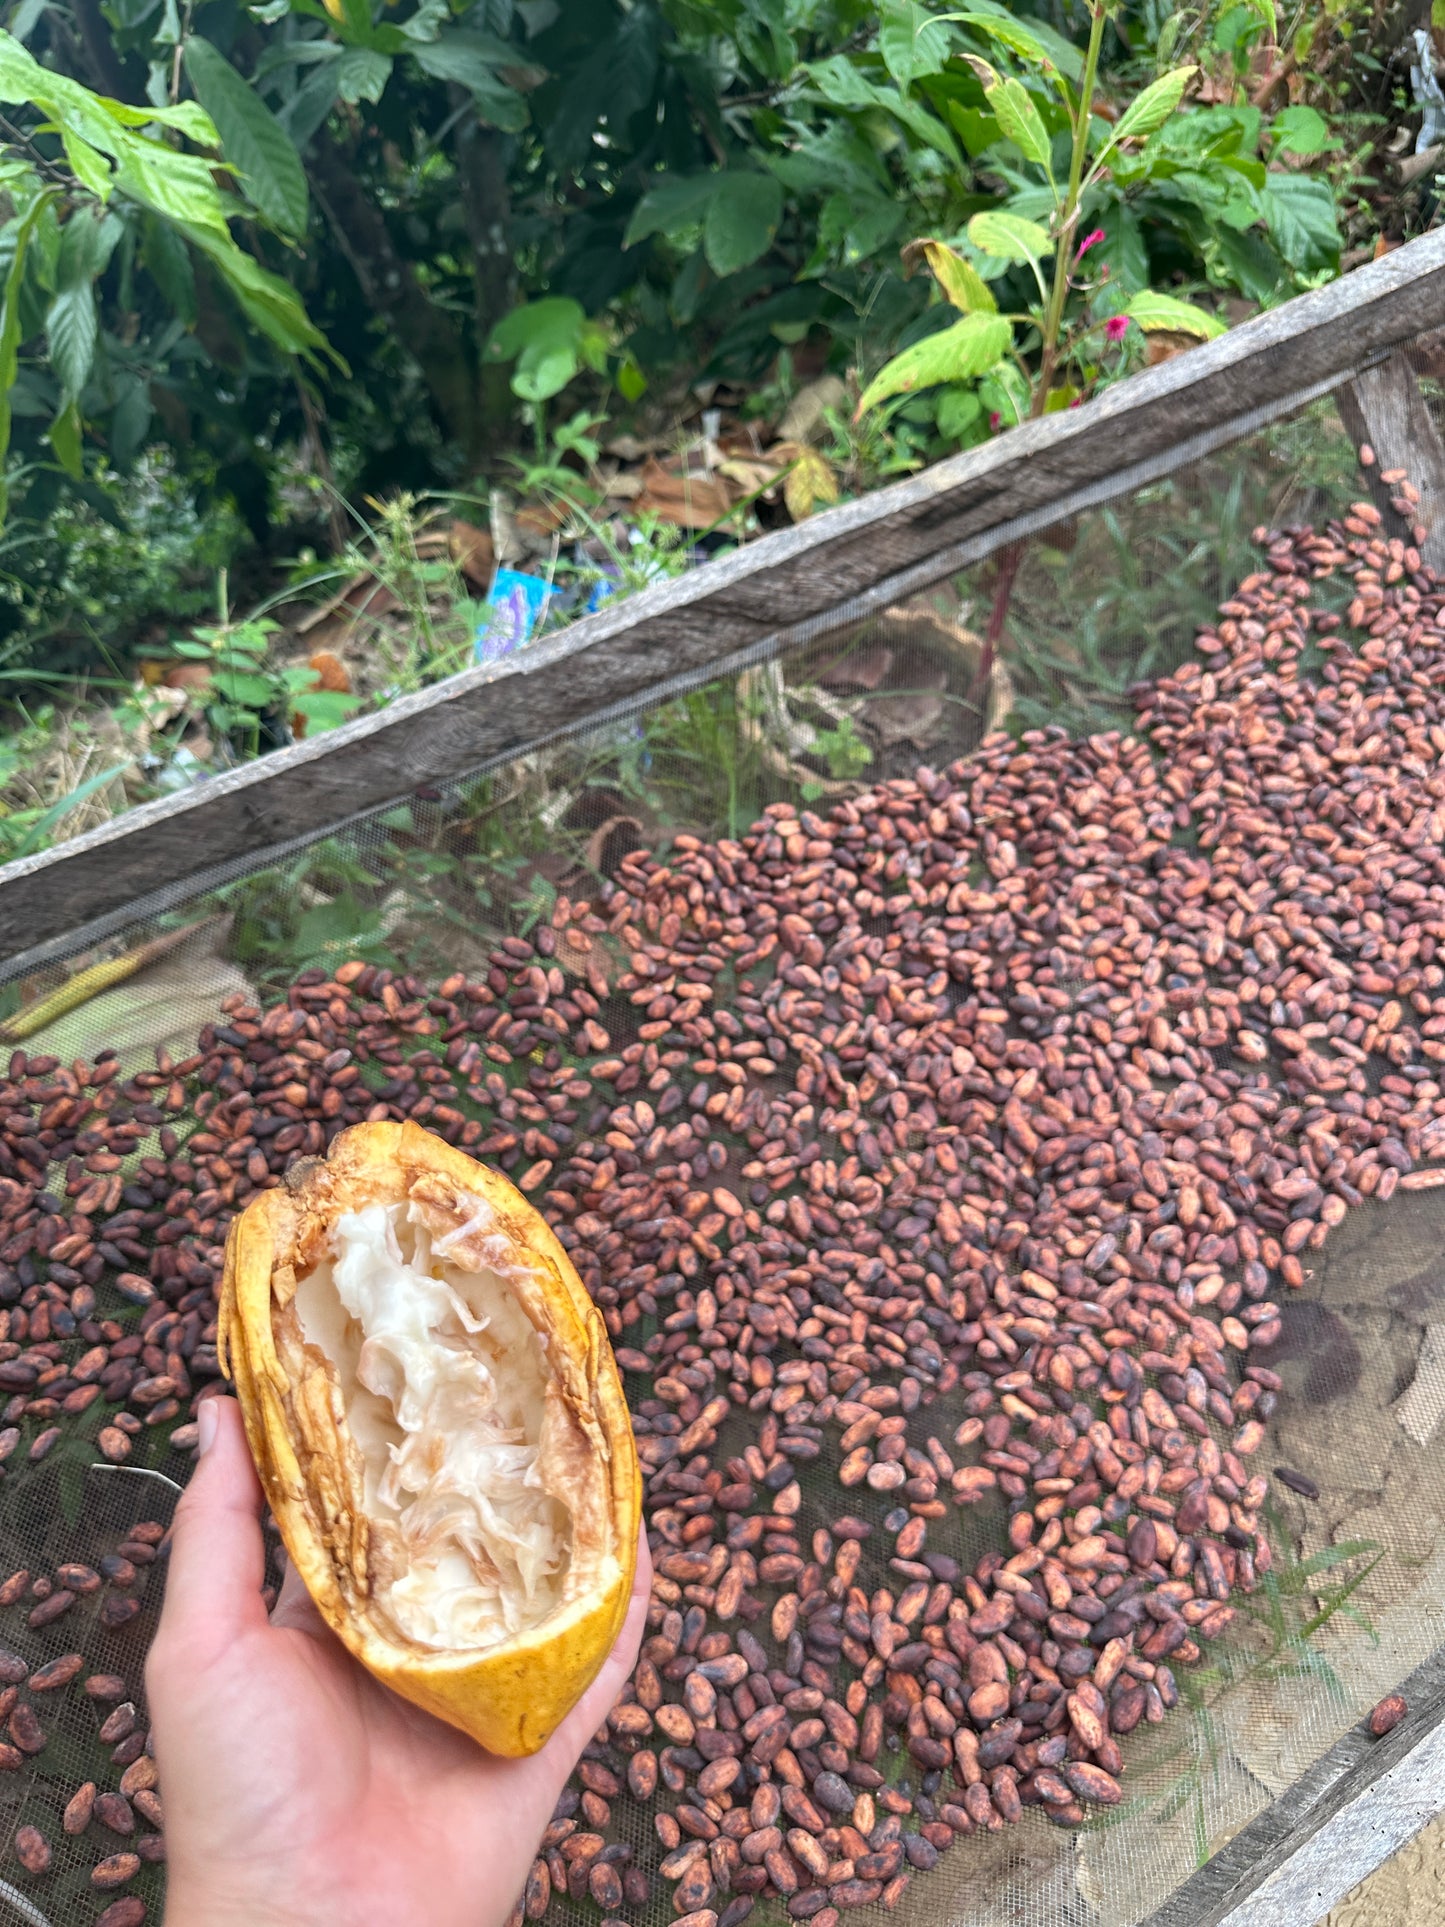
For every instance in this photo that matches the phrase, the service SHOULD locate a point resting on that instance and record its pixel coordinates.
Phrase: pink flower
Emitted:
(1089, 241)
(994, 419)
(1116, 327)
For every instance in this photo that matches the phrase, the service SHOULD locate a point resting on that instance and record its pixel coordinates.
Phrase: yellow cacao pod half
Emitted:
(435, 1413)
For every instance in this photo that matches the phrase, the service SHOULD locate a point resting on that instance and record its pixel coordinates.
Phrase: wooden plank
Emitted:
(1338, 1822)
(685, 628)
(1383, 407)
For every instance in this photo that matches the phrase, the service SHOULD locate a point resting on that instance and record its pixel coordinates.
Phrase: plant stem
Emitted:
(1012, 556)
(1068, 219)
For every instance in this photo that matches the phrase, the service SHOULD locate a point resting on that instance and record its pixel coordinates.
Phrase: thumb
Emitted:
(218, 1558)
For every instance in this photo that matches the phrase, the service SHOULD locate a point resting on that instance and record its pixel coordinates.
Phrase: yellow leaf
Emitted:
(961, 282)
(809, 481)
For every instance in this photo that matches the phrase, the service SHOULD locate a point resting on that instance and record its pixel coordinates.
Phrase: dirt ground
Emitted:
(1408, 1891)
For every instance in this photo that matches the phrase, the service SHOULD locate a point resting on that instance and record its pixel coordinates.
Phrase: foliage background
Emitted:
(366, 245)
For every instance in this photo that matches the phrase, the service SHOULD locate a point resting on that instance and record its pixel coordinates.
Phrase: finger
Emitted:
(217, 1562)
(564, 1749)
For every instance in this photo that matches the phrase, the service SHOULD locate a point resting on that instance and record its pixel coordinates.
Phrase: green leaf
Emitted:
(556, 319)
(669, 208)
(89, 167)
(87, 242)
(469, 60)
(264, 298)
(169, 265)
(1151, 309)
(1008, 237)
(252, 692)
(72, 328)
(1122, 250)
(1019, 119)
(323, 709)
(362, 74)
(10, 325)
(841, 83)
(1300, 130)
(913, 42)
(1299, 212)
(1046, 45)
(252, 139)
(958, 410)
(742, 218)
(1008, 32)
(546, 339)
(64, 438)
(960, 280)
(1152, 108)
(970, 347)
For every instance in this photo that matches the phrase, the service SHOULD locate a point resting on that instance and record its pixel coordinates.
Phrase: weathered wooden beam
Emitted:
(684, 630)
(1339, 1821)
(1383, 407)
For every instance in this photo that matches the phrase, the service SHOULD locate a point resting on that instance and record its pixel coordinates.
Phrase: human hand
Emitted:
(298, 1790)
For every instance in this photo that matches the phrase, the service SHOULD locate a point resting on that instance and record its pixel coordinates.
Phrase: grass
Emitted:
(1273, 1643)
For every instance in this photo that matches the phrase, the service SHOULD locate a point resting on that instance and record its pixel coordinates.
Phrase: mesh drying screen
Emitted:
(432, 886)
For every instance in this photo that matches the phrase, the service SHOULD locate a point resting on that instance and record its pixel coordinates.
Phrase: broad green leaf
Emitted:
(1122, 250)
(432, 15)
(169, 265)
(72, 329)
(89, 167)
(1299, 211)
(958, 410)
(469, 60)
(64, 438)
(10, 324)
(87, 242)
(913, 42)
(306, 111)
(670, 207)
(546, 339)
(1046, 44)
(742, 218)
(1300, 130)
(841, 83)
(970, 347)
(1008, 237)
(1019, 119)
(252, 139)
(960, 280)
(1010, 33)
(362, 74)
(1152, 309)
(187, 117)
(554, 320)
(271, 303)
(1152, 108)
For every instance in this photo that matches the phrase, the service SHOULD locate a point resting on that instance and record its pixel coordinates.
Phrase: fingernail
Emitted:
(208, 1418)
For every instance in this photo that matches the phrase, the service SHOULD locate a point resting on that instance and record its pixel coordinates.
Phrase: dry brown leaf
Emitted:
(471, 550)
(1164, 344)
(331, 673)
(687, 501)
(748, 475)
